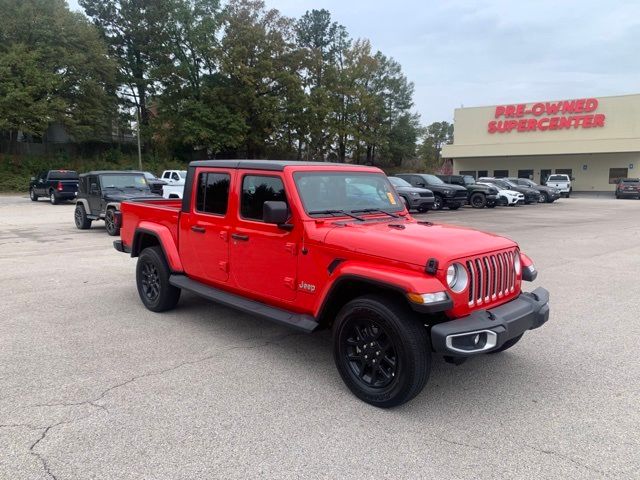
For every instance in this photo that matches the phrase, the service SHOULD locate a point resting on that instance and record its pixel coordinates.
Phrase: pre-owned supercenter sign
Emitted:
(544, 116)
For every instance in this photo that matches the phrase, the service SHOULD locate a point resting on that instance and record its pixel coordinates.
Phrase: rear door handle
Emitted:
(198, 229)
(238, 236)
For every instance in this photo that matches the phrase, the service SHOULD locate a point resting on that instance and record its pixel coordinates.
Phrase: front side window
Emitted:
(213, 193)
(324, 193)
(257, 189)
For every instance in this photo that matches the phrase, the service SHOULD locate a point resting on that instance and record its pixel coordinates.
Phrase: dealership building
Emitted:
(594, 140)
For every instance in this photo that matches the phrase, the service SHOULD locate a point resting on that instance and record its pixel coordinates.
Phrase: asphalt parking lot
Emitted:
(94, 386)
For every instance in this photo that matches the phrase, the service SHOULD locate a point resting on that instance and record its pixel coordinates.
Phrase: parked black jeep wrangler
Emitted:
(480, 196)
(100, 194)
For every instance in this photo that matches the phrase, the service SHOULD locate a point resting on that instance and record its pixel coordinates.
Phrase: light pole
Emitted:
(138, 132)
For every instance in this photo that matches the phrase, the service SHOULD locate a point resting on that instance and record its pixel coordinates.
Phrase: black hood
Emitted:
(414, 190)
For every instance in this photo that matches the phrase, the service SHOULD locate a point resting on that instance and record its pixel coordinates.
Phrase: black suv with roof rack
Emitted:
(628, 188)
(445, 194)
(101, 192)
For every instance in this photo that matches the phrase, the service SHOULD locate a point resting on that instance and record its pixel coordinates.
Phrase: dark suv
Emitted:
(100, 194)
(445, 194)
(628, 188)
(416, 198)
(547, 194)
(530, 195)
(480, 196)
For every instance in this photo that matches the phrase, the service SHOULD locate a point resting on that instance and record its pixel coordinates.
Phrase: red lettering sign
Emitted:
(552, 116)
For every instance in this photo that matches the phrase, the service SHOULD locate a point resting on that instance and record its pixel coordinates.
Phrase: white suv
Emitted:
(509, 198)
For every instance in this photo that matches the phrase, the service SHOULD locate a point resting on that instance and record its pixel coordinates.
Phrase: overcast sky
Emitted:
(483, 52)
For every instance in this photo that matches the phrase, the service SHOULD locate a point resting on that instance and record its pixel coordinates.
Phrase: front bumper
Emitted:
(491, 327)
(421, 202)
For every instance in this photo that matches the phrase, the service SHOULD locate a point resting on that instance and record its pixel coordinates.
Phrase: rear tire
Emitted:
(478, 200)
(507, 345)
(32, 195)
(80, 217)
(381, 351)
(111, 222)
(152, 279)
(53, 198)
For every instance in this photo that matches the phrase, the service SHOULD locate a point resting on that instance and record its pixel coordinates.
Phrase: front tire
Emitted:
(152, 279)
(111, 223)
(381, 351)
(32, 195)
(544, 197)
(478, 200)
(80, 217)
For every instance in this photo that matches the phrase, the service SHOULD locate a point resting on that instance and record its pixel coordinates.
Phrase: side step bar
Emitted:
(305, 323)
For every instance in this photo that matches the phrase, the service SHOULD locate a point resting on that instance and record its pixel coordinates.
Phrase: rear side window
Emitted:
(257, 189)
(213, 193)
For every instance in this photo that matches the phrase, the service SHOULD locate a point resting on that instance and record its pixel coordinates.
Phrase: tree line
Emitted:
(208, 80)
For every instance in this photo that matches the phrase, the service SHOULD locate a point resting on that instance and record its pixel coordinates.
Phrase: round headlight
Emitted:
(457, 277)
(516, 263)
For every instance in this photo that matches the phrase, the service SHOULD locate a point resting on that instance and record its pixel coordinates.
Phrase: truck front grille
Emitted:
(461, 194)
(426, 194)
(491, 277)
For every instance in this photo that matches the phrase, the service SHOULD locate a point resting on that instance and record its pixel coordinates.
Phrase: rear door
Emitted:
(204, 232)
(263, 256)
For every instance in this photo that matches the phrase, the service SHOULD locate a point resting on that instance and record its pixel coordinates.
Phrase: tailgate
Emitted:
(67, 186)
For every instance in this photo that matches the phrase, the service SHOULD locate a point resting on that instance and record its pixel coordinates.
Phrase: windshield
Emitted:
(398, 182)
(149, 176)
(63, 175)
(333, 192)
(528, 182)
(124, 181)
(432, 179)
(510, 184)
(502, 184)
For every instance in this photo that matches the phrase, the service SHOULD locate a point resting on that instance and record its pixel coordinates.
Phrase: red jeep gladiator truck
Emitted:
(321, 245)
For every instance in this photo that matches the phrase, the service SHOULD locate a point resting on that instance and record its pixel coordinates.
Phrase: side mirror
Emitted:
(277, 213)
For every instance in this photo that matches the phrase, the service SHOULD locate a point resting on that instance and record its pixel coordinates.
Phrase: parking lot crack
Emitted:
(566, 457)
(94, 401)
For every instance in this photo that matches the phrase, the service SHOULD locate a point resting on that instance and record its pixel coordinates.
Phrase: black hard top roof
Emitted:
(273, 165)
(111, 172)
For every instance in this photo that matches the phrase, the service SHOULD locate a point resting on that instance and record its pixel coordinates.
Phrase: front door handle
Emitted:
(238, 236)
(198, 229)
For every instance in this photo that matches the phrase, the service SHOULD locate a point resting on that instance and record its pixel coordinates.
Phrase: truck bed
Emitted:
(162, 211)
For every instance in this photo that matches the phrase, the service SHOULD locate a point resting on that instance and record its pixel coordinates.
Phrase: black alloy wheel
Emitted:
(150, 282)
(152, 279)
(370, 353)
(381, 350)
(111, 223)
(478, 200)
(80, 217)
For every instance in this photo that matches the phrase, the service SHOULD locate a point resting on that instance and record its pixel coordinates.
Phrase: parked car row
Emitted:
(423, 192)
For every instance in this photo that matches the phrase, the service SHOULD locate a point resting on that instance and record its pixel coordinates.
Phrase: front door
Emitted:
(263, 256)
(204, 231)
(95, 195)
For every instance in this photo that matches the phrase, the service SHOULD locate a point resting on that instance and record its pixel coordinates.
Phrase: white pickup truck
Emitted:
(175, 183)
(560, 181)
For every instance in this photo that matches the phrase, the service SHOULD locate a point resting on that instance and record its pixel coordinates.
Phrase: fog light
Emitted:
(428, 297)
(472, 342)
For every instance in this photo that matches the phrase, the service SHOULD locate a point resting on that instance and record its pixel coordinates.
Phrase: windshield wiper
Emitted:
(375, 210)
(336, 212)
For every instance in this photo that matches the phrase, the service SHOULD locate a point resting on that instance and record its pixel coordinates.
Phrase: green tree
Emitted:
(136, 34)
(53, 68)
(436, 135)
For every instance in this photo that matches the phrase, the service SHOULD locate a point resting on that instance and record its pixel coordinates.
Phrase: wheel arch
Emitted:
(348, 287)
(146, 236)
(85, 204)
